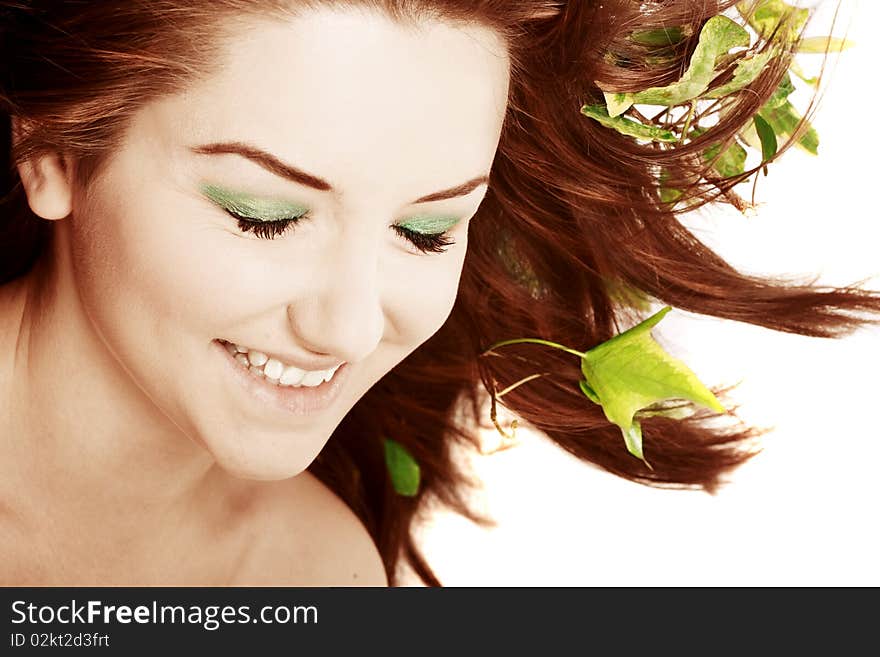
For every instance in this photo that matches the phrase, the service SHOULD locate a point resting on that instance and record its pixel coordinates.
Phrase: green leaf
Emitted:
(670, 194)
(617, 103)
(660, 60)
(765, 16)
(589, 392)
(747, 70)
(783, 91)
(667, 194)
(517, 266)
(749, 135)
(402, 468)
(632, 438)
(631, 372)
(627, 295)
(798, 71)
(626, 126)
(784, 120)
(821, 45)
(677, 411)
(662, 36)
(718, 36)
(767, 137)
(730, 163)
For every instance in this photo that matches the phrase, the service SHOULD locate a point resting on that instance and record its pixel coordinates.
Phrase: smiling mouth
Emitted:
(275, 371)
(300, 399)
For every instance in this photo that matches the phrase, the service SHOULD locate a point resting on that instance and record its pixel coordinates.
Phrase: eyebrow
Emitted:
(285, 170)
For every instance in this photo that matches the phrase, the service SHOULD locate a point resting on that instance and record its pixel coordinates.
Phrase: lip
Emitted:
(290, 360)
(297, 401)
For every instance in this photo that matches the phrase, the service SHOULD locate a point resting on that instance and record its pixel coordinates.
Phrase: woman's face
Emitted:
(361, 123)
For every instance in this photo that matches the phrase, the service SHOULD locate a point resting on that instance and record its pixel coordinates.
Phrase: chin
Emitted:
(264, 467)
(271, 472)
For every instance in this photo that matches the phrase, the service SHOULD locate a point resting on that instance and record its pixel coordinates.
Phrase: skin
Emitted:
(128, 454)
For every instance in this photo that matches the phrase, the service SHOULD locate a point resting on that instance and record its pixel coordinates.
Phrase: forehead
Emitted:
(352, 96)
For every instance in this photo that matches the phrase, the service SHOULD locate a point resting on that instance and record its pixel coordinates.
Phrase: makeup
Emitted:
(253, 207)
(429, 224)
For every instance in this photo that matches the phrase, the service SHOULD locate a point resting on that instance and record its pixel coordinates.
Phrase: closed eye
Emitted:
(267, 230)
(425, 242)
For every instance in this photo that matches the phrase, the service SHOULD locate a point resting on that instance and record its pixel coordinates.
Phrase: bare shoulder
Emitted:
(307, 536)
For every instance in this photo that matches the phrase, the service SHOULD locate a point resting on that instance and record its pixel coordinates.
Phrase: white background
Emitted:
(804, 512)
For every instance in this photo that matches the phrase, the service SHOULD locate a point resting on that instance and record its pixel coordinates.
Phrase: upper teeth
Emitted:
(277, 371)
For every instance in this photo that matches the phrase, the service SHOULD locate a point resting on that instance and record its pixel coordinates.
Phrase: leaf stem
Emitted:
(535, 341)
(514, 386)
(687, 122)
(493, 415)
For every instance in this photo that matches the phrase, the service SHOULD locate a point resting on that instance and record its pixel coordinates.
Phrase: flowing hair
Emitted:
(572, 229)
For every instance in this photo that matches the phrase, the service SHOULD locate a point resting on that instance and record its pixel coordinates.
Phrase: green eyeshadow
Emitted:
(253, 207)
(428, 224)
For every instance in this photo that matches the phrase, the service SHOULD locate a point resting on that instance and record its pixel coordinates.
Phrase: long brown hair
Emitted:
(573, 218)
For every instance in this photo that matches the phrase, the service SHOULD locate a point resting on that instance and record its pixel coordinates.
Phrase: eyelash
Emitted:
(426, 243)
(269, 230)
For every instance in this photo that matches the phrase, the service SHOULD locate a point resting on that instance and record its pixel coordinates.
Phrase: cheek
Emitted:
(143, 266)
(424, 298)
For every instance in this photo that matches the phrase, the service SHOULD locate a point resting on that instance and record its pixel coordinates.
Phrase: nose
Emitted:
(341, 314)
